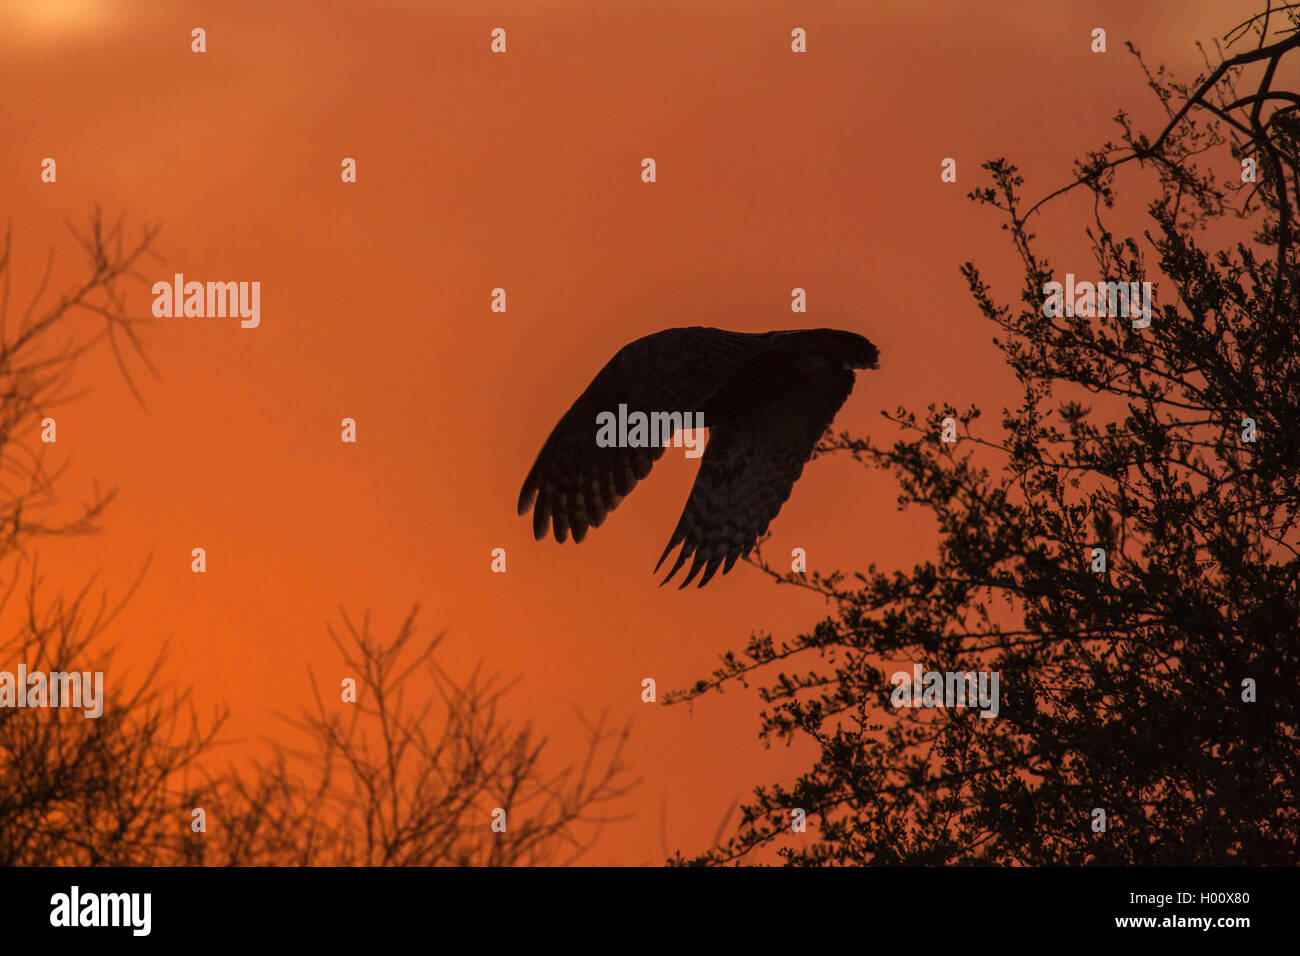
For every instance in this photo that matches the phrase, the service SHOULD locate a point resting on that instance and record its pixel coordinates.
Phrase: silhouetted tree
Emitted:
(74, 790)
(415, 772)
(390, 783)
(1121, 690)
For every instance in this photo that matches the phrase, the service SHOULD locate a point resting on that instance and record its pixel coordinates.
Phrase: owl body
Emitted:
(766, 398)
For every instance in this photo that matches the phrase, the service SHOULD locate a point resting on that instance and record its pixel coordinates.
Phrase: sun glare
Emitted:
(52, 19)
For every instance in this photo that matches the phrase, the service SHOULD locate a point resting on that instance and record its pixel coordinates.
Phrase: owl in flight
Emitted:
(766, 399)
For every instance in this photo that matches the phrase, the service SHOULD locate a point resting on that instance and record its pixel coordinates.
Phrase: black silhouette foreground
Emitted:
(766, 399)
(1162, 692)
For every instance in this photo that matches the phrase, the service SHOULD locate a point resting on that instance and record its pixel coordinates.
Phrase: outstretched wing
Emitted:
(575, 483)
(753, 460)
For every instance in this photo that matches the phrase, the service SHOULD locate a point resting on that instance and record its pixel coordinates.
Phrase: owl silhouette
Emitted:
(766, 398)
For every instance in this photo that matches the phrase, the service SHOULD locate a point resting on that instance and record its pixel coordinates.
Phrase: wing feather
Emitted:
(751, 464)
(574, 484)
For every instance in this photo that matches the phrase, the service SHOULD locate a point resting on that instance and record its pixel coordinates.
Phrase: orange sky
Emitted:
(522, 170)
